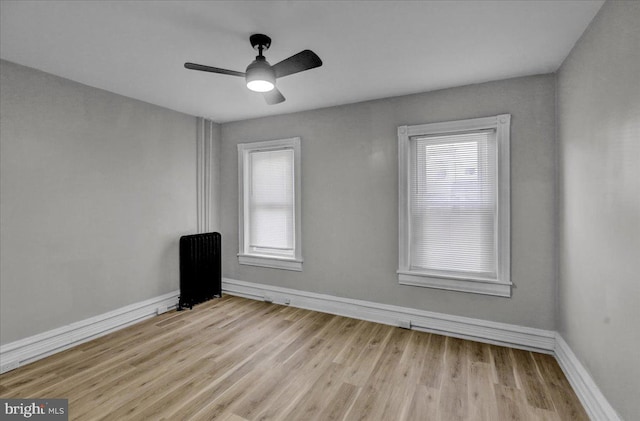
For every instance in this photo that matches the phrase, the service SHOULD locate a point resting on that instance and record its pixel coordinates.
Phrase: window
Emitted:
(269, 208)
(454, 205)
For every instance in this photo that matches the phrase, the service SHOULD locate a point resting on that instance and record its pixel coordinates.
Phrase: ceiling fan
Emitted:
(260, 75)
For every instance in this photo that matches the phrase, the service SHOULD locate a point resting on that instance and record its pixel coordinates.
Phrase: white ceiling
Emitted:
(370, 49)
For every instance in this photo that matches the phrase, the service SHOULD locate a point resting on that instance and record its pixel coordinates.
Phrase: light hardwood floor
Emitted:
(235, 359)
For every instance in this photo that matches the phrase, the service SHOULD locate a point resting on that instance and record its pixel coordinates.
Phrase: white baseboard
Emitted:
(24, 351)
(15, 354)
(594, 402)
(462, 327)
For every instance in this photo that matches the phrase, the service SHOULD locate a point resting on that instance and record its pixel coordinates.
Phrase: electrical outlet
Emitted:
(404, 323)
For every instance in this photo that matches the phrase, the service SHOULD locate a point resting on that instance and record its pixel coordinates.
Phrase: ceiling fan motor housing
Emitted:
(260, 76)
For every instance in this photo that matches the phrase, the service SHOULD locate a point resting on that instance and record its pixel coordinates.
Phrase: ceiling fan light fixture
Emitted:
(260, 85)
(260, 76)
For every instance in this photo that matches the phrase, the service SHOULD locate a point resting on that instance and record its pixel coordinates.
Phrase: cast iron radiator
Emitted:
(200, 268)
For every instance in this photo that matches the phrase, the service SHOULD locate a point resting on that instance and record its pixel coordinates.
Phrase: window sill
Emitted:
(270, 262)
(417, 279)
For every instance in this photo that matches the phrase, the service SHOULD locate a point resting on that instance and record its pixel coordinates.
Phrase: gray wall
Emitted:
(95, 190)
(350, 189)
(599, 202)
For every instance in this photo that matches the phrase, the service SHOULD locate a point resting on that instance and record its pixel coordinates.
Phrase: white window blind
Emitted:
(453, 192)
(271, 202)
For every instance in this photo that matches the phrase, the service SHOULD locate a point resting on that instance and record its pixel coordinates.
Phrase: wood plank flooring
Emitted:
(234, 359)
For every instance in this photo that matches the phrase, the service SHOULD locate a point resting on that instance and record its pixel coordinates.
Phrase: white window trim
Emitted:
(500, 287)
(251, 259)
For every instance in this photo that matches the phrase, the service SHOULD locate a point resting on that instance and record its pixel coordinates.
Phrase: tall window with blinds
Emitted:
(269, 204)
(454, 205)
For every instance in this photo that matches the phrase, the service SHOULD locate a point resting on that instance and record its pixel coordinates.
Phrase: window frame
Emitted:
(501, 286)
(245, 257)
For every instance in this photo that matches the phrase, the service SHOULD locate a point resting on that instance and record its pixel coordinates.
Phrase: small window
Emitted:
(454, 205)
(269, 209)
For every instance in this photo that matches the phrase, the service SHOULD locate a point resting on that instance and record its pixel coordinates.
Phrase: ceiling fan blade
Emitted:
(300, 62)
(194, 66)
(273, 96)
